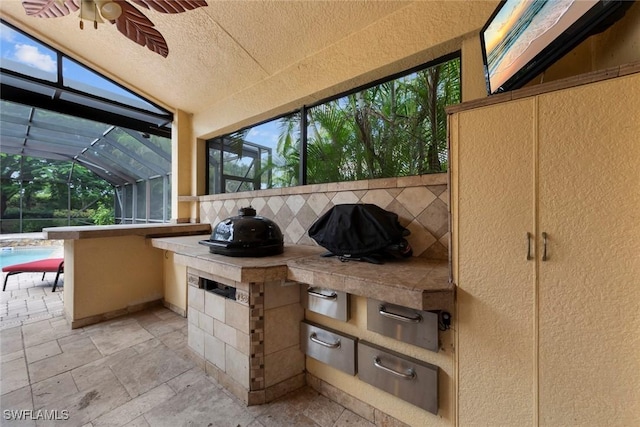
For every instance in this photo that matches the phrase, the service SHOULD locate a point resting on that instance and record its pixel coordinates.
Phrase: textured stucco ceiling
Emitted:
(221, 55)
(213, 51)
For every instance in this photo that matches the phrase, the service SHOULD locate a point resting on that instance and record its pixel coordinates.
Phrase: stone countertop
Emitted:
(413, 282)
(240, 269)
(144, 230)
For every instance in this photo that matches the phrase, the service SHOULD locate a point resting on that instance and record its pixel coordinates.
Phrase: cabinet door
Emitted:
(589, 339)
(493, 178)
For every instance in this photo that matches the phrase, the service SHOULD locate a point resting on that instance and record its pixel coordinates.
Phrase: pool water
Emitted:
(10, 256)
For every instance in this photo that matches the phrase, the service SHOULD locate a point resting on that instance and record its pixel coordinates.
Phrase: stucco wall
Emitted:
(95, 268)
(175, 284)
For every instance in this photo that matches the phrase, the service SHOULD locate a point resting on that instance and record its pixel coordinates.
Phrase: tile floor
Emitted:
(130, 371)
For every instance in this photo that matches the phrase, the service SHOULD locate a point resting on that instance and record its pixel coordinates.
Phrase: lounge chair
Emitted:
(49, 265)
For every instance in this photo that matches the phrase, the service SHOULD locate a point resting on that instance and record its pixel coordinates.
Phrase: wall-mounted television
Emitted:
(524, 37)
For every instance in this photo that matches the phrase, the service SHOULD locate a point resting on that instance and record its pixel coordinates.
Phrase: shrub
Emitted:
(103, 215)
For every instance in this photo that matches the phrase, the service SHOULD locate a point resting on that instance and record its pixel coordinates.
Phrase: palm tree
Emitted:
(288, 148)
(397, 128)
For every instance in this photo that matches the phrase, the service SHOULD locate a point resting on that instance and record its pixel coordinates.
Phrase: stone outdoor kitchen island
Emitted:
(245, 314)
(243, 318)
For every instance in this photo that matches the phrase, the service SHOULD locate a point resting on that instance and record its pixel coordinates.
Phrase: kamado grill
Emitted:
(246, 235)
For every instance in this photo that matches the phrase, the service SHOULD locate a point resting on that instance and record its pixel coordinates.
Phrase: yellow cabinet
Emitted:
(553, 341)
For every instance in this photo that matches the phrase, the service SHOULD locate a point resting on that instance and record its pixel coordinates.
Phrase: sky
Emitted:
(503, 22)
(17, 48)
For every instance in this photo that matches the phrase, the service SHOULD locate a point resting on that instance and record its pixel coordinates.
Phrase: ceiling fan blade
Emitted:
(137, 27)
(50, 8)
(171, 6)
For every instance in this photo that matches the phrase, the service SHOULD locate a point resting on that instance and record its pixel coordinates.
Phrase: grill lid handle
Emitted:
(248, 211)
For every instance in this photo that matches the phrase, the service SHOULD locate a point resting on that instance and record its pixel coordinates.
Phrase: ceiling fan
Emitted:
(128, 19)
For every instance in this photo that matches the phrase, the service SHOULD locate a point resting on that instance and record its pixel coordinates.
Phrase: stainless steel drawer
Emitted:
(404, 324)
(407, 378)
(328, 346)
(328, 302)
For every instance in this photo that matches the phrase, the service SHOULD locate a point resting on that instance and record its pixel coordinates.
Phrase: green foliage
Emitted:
(102, 215)
(289, 149)
(44, 189)
(397, 128)
(73, 213)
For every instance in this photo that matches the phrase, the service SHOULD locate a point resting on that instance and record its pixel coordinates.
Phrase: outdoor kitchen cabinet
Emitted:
(545, 199)
(337, 340)
(415, 327)
(409, 379)
(330, 303)
(329, 346)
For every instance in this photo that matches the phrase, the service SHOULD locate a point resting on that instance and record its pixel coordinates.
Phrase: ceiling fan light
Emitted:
(110, 10)
(88, 11)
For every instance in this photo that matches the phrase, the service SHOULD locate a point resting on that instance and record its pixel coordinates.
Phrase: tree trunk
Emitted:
(433, 78)
(362, 122)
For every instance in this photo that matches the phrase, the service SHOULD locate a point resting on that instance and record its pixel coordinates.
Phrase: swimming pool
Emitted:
(10, 256)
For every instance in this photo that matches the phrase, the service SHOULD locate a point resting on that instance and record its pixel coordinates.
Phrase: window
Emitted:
(141, 202)
(160, 207)
(256, 158)
(81, 118)
(56, 82)
(396, 127)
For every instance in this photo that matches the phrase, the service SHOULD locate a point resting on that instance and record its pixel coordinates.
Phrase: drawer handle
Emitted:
(313, 337)
(311, 292)
(383, 312)
(409, 375)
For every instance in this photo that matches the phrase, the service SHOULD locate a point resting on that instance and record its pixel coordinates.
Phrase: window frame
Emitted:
(303, 112)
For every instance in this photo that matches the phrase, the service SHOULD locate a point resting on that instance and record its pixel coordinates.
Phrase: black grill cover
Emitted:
(359, 230)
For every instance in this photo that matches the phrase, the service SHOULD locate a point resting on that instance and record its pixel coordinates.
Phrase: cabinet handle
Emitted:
(311, 292)
(383, 312)
(529, 257)
(313, 337)
(409, 375)
(544, 247)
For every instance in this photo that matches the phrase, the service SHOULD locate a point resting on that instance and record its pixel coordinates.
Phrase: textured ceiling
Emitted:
(214, 51)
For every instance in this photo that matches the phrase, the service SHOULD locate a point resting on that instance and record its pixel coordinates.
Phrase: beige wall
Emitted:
(175, 284)
(69, 279)
(472, 71)
(361, 58)
(182, 167)
(110, 275)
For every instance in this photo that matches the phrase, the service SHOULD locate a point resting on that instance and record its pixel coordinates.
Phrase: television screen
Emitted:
(524, 37)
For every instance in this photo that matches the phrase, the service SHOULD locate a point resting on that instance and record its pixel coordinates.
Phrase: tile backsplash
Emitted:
(421, 203)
